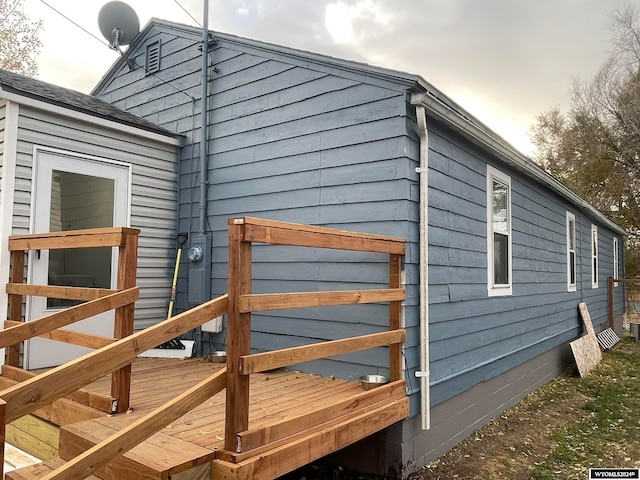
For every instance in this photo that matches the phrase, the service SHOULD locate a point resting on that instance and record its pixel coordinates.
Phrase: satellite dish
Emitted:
(118, 23)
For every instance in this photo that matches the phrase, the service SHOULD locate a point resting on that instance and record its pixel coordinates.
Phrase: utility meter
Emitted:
(194, 254)
(199, 259)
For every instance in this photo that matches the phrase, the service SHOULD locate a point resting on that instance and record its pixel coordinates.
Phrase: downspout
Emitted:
(423, 171)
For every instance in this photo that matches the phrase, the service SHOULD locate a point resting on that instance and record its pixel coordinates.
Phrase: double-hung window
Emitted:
(499, 253)
(571, 252)
(594, 256)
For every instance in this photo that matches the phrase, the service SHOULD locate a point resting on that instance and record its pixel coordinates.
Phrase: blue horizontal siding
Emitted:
(474, 337)
(308, 143)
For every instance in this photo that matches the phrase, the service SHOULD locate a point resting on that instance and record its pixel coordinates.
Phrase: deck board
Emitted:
(275, 396)
(197, 438)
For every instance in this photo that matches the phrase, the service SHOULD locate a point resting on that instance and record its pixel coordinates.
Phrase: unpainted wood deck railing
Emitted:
(98, 300)
(238, 304)
(243, 232)
(110, 357)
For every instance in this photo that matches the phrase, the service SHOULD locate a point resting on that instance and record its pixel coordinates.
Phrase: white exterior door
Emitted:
(73, 193)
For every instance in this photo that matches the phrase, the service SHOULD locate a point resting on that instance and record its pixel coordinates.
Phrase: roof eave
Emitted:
(482, 136)
(405, 79)
(34, 101)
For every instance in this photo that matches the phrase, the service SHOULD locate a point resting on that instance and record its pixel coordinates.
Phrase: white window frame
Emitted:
(595, 250)
(507, 288)
(571, 221)
(616, 260)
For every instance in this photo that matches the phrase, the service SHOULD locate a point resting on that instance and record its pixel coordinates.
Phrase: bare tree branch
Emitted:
(595, 147)
(19, 39)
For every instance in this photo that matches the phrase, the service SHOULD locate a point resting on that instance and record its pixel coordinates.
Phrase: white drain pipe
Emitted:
(423, 171)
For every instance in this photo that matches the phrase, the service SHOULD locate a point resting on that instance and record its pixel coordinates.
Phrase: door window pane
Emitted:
(80, 202)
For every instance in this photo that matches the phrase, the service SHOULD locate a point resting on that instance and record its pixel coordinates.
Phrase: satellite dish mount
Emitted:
(119, 24)
(116, 35)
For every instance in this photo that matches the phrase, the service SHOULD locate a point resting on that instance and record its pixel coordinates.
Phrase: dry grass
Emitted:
(560, 431)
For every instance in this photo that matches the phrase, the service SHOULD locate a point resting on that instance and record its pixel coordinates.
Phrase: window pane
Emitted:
(572, 235)
(79, 202)
(500, 207)
(500, 259)
(572, 268)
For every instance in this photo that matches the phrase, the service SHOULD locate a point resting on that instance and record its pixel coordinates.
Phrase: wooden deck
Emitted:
(193, 446)
(192, 420)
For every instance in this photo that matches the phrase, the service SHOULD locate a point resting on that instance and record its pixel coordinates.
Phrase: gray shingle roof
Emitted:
(71, 99)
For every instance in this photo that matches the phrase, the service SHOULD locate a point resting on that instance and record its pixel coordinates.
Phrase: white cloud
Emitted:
(351, 23)
(517, 57)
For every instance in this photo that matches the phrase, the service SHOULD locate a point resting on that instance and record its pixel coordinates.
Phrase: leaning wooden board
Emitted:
(586, 349)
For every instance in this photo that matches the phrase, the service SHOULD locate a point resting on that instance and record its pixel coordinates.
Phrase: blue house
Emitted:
(499, 253)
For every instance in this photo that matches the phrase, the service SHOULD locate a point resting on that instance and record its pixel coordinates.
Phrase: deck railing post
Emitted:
(3, 434)
(610, 301)
(395, 317)
(123, 322)
(15, 303)
(238, 334)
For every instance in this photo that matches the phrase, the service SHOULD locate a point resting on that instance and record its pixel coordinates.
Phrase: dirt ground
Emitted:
(510, 446)
(560, 430)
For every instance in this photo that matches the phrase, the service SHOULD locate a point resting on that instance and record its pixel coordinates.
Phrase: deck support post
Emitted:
(3, 434)
(123, 324)
(238, 334)
(15, 303)
(395, 317)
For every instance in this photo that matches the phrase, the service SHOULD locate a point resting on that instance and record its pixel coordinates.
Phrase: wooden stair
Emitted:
(161, 457)
(36, 472)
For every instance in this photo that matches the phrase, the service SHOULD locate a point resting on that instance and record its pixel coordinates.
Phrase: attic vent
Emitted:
(153, 57)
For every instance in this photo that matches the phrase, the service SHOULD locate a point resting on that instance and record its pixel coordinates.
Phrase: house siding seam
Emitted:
(153, 196)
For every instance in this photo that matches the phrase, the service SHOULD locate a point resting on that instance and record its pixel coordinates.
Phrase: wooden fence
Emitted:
(632, 298)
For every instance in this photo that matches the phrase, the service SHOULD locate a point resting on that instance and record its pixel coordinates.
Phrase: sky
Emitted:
(504, 61)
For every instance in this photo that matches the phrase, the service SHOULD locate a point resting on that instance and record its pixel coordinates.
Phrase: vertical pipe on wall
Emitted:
(204, 269)
(203, 119)
(423, 170)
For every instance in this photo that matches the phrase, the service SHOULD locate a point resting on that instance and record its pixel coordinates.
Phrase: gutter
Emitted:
(484, 138)
(423, 171)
